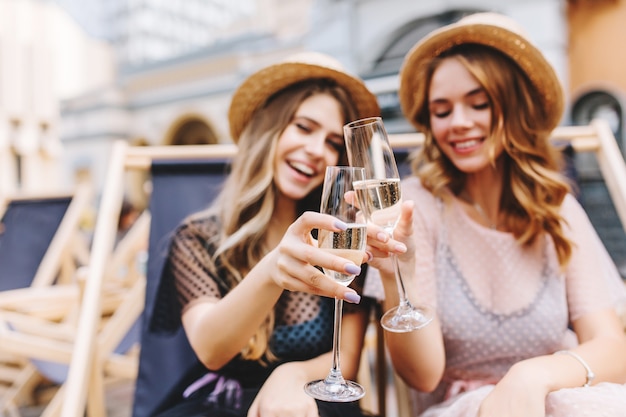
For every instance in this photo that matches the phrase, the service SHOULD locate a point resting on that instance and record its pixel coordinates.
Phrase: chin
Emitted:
(472, 167)
(295, 195)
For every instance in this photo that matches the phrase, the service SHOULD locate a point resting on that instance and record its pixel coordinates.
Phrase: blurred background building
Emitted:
(76, 75)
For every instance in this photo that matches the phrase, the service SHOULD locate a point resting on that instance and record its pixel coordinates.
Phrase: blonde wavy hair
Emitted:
(534, 187)
(246, 203)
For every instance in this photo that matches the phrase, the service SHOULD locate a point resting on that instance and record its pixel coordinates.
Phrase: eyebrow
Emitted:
(305, 117)
(338, 136)
(474, 92)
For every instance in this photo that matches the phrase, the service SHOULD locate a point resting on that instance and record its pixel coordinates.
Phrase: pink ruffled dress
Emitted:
(499, 303)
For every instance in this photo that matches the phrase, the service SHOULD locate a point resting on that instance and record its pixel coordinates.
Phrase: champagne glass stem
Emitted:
(335, 377)
(404, 305)
(334, 387)
(404, 317)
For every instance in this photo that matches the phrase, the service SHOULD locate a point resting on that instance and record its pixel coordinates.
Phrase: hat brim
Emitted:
(257, 88)
(510, 43)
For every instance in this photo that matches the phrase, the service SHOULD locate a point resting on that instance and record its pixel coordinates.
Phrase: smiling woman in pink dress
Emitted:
(524, 290)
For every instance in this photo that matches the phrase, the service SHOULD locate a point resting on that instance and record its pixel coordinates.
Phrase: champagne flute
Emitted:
(349, 244)
(380, 198)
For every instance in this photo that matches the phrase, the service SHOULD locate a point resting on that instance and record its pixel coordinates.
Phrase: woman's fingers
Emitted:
(404, 229)
(302, 276)
(301, 263)
(311, 220)
(299, 259)
(381, 246)
(379, 242)
(310, 253)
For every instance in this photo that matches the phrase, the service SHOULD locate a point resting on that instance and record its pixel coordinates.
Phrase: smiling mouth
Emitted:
(302, 169)
(466, 144)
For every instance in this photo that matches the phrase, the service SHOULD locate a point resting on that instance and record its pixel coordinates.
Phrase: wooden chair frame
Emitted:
(84, 387)
(66, 251)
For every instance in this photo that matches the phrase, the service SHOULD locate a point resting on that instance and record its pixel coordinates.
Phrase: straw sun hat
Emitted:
(261, 85)
(491, 29)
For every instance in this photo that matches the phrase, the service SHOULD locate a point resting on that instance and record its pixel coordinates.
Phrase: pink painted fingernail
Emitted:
(340, 225)
(353, 298)
(353, 269)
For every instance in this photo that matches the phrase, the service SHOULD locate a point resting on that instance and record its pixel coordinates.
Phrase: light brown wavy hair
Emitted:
(534, 187)
(246, 203)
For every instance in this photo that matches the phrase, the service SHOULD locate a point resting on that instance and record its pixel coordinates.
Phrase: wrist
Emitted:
(533, 373)
(590, 376)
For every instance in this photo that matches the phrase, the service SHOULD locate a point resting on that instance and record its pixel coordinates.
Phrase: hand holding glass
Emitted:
(380, 198)
(349, 244)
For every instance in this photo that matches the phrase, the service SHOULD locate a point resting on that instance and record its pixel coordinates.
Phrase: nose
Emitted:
(460, 118)
(316, 144)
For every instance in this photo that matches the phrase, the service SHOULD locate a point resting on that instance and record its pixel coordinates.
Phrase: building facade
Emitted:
(159, 78)
(184, 98)
(166, 72)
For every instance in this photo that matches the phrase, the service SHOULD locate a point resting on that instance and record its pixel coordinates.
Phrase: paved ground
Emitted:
(119, 400)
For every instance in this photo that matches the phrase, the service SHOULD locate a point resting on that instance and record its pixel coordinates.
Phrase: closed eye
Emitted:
(303, 127)
(441, 114)
(336, 143)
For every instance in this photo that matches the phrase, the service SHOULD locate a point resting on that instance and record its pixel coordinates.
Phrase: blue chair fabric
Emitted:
(26, 231)
(179, 188)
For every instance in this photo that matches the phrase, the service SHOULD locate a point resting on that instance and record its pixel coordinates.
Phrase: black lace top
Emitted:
(303, 322)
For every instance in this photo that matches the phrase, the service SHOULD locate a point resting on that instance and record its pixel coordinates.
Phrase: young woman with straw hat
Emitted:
(523, 288)
(255, 307)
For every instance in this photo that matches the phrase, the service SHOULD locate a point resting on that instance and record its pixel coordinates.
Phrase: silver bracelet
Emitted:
(590, 374)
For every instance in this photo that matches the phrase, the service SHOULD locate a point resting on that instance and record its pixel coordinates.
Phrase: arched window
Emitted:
(390, 60)
(604, 105)
(193, 131)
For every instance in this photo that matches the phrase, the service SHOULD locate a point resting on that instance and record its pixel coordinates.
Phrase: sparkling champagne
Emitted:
(381, 200)
(349, 244)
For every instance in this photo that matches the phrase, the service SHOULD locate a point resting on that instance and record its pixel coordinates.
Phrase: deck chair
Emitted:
(40, 324)
(189, 174)
(40, 244)
(196, 182)
(91, 358)
(39, 237)
(596, 138)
